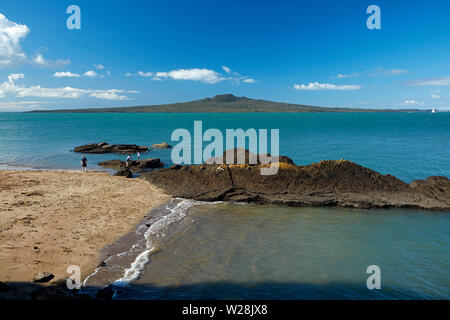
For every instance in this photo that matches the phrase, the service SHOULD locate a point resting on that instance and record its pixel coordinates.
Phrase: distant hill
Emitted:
(222, 104)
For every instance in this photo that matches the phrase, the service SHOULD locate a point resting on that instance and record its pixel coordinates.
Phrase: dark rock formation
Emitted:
(327, 183)
(133, 165)
(125, 172)
(43, 277)
(104, 147)
(163, 145)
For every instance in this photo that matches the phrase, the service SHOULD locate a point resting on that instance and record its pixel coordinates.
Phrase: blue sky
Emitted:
(152, 52)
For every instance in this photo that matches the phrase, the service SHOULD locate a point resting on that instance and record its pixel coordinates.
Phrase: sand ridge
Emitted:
(52, 219)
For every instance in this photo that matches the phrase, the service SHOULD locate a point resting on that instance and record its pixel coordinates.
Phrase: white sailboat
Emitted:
(433, 111)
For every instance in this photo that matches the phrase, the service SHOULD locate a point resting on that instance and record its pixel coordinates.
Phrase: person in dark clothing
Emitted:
(83, 164)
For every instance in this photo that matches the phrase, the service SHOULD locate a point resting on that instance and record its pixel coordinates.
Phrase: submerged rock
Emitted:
(104, 147)
(327, 183)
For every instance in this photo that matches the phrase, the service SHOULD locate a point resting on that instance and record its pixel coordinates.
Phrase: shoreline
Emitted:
(55, 218)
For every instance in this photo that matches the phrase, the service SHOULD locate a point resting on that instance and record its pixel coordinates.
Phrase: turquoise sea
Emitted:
(224, 250)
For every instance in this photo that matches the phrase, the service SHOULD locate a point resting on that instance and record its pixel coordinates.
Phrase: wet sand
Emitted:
(52, 219)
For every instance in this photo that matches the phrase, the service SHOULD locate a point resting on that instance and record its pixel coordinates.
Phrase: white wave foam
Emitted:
(178, 208)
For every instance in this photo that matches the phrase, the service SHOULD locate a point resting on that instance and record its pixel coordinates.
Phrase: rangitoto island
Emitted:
(339, 183)
(224, 103)
(104, 147)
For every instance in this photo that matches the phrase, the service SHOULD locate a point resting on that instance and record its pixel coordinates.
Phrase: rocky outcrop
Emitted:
(104, 147)
(327, 183)
(134, 165)
(163, 145)
(124, 173)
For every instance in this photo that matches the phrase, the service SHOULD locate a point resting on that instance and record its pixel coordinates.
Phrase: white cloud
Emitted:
(11, 34)
(145, 74)
(11, 87)
(14, 105)
(325, 86)
(249, 80)
(111, 94)
(345, 76)
(226, 69)
(195, 74)
(40, 61)
(66, 74)
(442, 81)
(15, 76)
(381, 71)
(90, 73)
(435, 96)
(128, 74)
(99, 66)
(410, 102)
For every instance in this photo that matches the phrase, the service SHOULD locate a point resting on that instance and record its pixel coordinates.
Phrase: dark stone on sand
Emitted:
(339, 183)
(134, 165)
(43, 277)
(105, 293)
(124, 173)
(102, 264)
(163, 145)
(104, 147)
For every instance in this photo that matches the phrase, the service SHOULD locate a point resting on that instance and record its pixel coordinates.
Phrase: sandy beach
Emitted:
(52, 219)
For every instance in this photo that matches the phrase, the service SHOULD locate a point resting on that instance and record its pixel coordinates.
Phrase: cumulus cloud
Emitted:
(195, 74)
(145, 74)
(437, 82)
(10, 87)
(40, 61)
(11, 35)
(99, 66)
(435, 96)
(66, 74)
(90, 73)
(325, 86)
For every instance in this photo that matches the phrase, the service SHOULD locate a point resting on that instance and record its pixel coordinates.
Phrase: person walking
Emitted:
(83, 164)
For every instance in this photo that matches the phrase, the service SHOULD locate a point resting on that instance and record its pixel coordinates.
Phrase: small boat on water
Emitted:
(433, 111)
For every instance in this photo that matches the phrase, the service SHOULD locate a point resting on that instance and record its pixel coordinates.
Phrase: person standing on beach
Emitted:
(128, 161)
(139, 155)
(83, 164)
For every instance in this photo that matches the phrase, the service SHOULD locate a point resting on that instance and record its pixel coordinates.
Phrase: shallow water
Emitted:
(234, 251)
